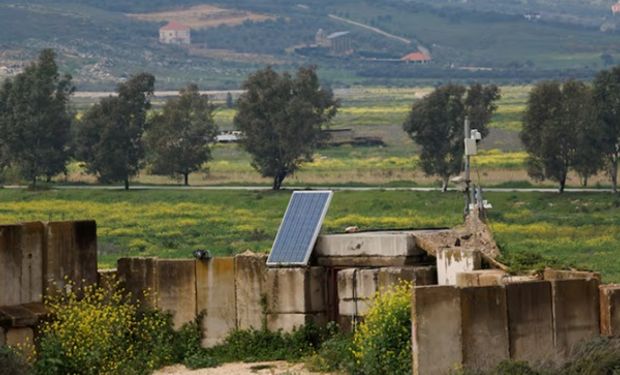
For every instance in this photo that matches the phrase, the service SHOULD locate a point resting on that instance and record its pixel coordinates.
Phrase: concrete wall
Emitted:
(21, 263)
(176, 289)
(610, 310)
(251, 297)
(437, 341)
(215, 287)
(451, 262)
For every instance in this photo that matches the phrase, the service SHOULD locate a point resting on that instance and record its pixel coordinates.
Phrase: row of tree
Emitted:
(115, 138)
(280, 115)
(574, 126)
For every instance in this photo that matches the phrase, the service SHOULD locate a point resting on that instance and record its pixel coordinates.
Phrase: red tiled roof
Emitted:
(615, 8)
(173, 25)
(416, 56)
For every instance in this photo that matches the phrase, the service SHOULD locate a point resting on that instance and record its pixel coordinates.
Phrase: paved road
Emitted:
(334, 188)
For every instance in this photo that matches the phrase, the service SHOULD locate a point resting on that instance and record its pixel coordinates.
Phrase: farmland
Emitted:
(579, 229)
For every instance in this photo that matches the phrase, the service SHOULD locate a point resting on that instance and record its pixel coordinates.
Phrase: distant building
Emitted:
(320, 39)
(615, 9)
(417, 58)
(175, 33)
(340, 43)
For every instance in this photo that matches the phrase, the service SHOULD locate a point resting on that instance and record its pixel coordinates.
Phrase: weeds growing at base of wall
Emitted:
(97, 330)
(12, 362)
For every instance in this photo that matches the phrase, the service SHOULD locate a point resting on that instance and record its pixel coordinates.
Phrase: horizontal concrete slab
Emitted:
(367, 244)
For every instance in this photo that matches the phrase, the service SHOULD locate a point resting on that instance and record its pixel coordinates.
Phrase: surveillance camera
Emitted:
(201, 254)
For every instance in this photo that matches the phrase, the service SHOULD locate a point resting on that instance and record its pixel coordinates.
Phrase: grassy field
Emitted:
(578, 229)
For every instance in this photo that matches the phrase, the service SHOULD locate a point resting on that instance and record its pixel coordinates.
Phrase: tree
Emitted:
(560, 131)
(230, 102)
(178, 138)
(436, 124)
(281, 118)
(35, 121)
(109, 139)
(607, 100)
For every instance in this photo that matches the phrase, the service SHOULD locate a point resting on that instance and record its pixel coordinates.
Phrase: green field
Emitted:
(578, 229)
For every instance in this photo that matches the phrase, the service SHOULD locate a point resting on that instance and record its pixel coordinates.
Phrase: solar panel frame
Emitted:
(317, 229)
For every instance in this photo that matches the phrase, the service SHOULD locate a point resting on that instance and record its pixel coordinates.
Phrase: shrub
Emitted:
(12, 363)
(335, 354)
(598, 357)
(382, 343)
(99, 331)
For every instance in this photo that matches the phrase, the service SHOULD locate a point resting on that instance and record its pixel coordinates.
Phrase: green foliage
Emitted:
(559, 132)
(529, 262)
(606, 98)
(96, 330)
(35, 120)
(335, 354)
(435, 123)
(109, 138)
(178, 138)
(263, 345)
(382, 342)
(12, 362)
(281, 118)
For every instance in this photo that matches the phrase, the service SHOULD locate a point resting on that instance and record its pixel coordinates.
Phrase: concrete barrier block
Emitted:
(215, 286)
(19, 316)
(610, 310)
(419, 276)
(176, 289)
(451, 262)
(346, 280)
(480, 278)
(71, 251)
(296, 290)
(530, 321)
(551, 275)
(436, 330)
(354, 307)
(367, 244)
(139, 277)
(291, 322)
(576, 312)
(21, 263)
(251, 297)
(485, 327)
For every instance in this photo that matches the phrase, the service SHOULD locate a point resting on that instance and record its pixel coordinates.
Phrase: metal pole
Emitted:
(467, 169)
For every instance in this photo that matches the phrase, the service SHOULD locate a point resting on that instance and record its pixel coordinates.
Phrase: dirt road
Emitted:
(260, 368)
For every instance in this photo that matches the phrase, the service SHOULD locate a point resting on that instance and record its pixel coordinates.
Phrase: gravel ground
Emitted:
(260, 368)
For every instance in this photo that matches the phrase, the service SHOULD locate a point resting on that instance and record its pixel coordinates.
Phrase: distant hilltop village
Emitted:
(175, 33)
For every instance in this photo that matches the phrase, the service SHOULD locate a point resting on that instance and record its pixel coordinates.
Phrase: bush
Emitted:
(334, 355)
(12, 363)
(598, 357)
(382, 343)
(95, 331)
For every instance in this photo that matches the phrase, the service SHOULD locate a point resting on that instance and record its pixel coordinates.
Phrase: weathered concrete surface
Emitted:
(436, 330)
(215, 287)
(530, 321)
(485, 327)
(289, 322)
(451, 262)
(367, 244)
(22, 337)
(21, 263)
(296, 290)
(18, 316)
(576, 312)
(419, 276)
(480, 278)
(354, 307)
(610, 310)
(139, 276)
(71, 251)
(251, 297)
(551, 274)
(375, 261)
(176, 289)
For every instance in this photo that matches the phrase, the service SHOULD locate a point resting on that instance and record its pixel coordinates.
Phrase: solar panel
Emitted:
(299, 228)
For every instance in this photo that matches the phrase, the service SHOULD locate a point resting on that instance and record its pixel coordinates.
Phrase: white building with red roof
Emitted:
(615, 9)
(417, 57)
(175, 33)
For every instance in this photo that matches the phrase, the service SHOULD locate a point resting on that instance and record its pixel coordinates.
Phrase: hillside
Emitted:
(103, 41)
